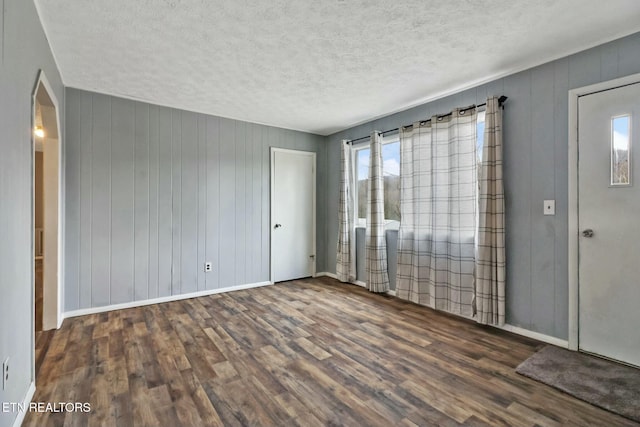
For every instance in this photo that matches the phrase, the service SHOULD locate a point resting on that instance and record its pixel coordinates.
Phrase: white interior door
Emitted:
(292, 214)
(608, 221)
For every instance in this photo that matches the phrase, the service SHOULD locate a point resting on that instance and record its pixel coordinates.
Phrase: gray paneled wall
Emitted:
(153, 193)
(536, 141)
(23, 52)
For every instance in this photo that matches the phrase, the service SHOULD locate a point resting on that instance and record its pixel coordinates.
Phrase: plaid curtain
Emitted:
(438, 184)
(490, 258)
(376, 243)
(345, 259)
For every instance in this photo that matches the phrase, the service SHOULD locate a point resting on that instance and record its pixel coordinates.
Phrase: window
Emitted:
(391, 172)
(620, 150)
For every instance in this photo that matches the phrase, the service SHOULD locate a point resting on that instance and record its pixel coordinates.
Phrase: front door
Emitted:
(292, 214)
(609, 223)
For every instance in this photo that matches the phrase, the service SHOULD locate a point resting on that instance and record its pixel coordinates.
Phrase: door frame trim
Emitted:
(57, 317)
(573, 231)
(312, 154)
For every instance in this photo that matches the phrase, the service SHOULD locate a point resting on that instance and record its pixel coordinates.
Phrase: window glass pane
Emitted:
(391, 172)
(620, 151)
(362, 159)
(391, 176)
(479, 144)
(480, 134)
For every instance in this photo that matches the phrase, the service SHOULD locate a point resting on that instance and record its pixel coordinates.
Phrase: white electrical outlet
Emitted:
(549, 207)
(5, 373)
(208, 267)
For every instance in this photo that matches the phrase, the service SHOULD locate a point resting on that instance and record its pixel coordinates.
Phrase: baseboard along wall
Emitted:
(25, 405)
(509, 328)
(132, 304)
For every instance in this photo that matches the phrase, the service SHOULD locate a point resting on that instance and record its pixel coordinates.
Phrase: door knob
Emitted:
(277, 226)
(587, 233)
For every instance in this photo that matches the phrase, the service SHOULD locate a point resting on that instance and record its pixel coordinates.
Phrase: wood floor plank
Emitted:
(428, 392)
(317, 400)
(310, 352)
(207, 412)
(293, 407)
(308, 420)
(313, 349)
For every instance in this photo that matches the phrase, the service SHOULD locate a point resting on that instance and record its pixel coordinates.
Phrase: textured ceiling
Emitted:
(314, 65)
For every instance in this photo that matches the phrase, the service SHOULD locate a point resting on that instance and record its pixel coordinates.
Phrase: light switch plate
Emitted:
(549, 207)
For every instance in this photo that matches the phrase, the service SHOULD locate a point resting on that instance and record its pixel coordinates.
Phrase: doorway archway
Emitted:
(46, 173)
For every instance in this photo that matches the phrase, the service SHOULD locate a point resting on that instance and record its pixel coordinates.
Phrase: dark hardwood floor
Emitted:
(309, 353)
(43, 340)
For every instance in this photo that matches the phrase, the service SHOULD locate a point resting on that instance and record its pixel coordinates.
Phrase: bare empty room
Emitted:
(329, 213)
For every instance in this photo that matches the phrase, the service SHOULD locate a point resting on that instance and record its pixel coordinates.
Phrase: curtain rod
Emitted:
(501, 102)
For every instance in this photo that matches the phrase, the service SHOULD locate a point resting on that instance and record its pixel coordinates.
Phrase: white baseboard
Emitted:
(535, 335)
(510, 328)
(25, 404)
(335, 276)
(324, 273)
(355, 282)
(132, 304)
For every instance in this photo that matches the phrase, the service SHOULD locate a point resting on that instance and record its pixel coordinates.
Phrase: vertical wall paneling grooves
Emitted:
(74, 211)
(266, 214)
(141, 203)
(561, 84)
(189, 202)
(227, 202)
(272, 141)
(85, 145)
(101, 202)
(155, 192)
(249, 208)
(258, 212)
(212, 223)
(246, 202)
(543, 187)
(320, 212)
(202, 207)
(2, 33)
(176, 204)
(240, 208)
(153, 202)
(109, 239)
(216, 228)
(517, 160)
(122, 200)
(165, 191)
